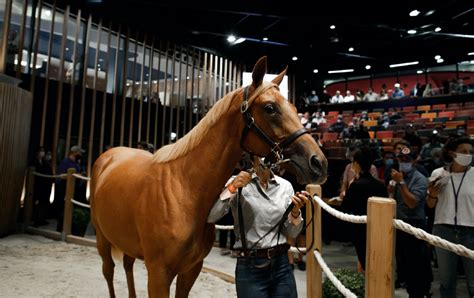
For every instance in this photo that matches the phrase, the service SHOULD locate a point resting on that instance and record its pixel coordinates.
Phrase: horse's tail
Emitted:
(117, 254)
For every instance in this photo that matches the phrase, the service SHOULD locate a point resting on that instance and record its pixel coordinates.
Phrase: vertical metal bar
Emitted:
(204, 96)
(193, 80)
(214, 93)
(221, 79)
(140, 98)
(115, 87)
(35, 46)
(173, 61)
(208, 86)
(230, 76)
(236, 84)
(94, 100)
(150, 89)
(22, 39)
(73, 79)
(6, 33)
(158, 100)
(84, 79)
(59, 97)
(46, 87)
(104, 94)
(164, 96)
(132, 98)
(178, 106)
(124, 89)
(185, 95)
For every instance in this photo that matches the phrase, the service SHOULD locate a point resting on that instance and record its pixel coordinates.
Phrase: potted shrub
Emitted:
(350, 278)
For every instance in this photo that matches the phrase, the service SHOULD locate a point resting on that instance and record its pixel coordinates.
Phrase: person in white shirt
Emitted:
(451, 191)
(338, 98)
(349, 97)
(371, 96)
(262, 222)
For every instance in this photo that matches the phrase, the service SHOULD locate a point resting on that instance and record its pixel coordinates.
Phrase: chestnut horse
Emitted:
(154, 207)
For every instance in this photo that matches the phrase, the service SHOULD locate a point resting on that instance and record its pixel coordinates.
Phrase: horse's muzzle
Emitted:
(319, 168)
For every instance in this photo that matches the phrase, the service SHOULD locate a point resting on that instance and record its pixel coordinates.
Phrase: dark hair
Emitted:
(402, 142)
(452, 144)
(363, 157)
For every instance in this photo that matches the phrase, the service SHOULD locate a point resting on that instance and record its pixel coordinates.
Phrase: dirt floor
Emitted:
(34, 266)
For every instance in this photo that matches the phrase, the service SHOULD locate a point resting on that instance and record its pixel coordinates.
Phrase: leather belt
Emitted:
(268, 253)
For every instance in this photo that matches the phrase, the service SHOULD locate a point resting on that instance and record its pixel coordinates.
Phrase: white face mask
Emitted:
(463, 159)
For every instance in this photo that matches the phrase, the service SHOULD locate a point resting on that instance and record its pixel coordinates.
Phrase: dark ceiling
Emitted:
(377, 30)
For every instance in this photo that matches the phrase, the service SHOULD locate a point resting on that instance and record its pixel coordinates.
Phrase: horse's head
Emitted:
(273, 129)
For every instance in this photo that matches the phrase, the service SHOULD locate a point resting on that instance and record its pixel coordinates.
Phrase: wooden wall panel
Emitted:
(15, 120)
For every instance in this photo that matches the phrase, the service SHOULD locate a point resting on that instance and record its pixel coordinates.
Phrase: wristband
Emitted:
(232, 188)
(401, 182)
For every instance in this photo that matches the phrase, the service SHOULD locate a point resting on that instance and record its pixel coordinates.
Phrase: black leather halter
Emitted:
(276, 148)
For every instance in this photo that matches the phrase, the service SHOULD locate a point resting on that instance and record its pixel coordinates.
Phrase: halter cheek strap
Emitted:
(276, 148)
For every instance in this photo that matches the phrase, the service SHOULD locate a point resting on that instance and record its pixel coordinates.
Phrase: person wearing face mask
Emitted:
(71, 161)
(42, 188)
(262, 226)
(408, 187)
(451, 191)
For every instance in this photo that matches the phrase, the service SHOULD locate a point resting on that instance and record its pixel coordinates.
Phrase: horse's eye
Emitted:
(270, 109)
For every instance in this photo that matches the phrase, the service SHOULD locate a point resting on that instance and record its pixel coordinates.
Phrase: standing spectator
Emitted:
(71, 161)
(365, 185)
(408, 187)
(451, 191)
(338, 98)
(371, 96)
(398, 92)
(42, 188)
(412, 138)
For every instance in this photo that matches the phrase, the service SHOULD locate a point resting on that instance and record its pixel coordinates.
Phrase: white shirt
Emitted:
(337, 99)
(349, 98)
(445, 208)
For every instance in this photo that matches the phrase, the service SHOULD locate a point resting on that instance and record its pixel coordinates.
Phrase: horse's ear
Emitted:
(277, 80)
(259, 71)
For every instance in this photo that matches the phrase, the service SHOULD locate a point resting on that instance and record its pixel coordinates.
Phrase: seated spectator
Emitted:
(338, 98)
(338, 126)
(371, 96)
(385, 120)
(318, 118)
(349, 97)
(359, 95)
(398, 92)
(364, 116)
(412, 138)
(313, 98)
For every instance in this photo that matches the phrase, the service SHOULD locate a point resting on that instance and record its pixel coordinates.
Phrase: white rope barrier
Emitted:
(80, 204)
(336, 282)
(297, 249)
(219, 227)
(61, 176)
(358, 219)
(81, 177)
(434, 240)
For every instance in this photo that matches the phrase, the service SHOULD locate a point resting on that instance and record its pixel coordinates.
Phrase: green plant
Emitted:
(80, 220)
(350, 278)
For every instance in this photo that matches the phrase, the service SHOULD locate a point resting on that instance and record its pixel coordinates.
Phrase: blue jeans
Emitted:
(262, 277)
(448, 261)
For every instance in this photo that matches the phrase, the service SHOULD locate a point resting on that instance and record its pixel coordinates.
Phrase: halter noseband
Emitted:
(276, 148)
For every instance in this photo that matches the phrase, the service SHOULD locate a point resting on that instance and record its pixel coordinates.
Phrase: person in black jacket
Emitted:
(357, 195)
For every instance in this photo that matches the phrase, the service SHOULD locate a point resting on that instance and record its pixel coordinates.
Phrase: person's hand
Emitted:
(299, 199)
(433, 189)
(242, 179)
(397, 176)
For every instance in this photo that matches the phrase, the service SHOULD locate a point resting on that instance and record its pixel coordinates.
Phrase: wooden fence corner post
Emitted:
(67, 220)
(314, 277)
(28, 203)
(380, 247)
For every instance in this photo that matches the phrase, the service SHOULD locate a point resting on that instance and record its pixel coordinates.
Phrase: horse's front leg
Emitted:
(186, 280)
(159, 279)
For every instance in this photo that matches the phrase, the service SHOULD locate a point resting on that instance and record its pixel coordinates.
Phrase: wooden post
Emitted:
(67, 218)
(314, 277)
(28, 203)
(380, 247)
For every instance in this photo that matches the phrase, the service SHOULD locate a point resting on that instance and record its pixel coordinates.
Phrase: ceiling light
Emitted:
(340, 71)
(437, 57)
(294, 58)
(403, 64)
(231, 38)
(412, 31)
(315, 70)
(332, 27)
(351, 49)
(419, 71)
(265, 38)
(437, 29)
(430, 12)
(239, 40)
(470, 54)
(440, 60)
(414, 13)
(368, 67)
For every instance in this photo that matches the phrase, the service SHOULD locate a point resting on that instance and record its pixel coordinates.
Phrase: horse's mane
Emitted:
(195, 136)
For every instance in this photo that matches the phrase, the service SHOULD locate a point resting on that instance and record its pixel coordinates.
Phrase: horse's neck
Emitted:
(211, 163)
